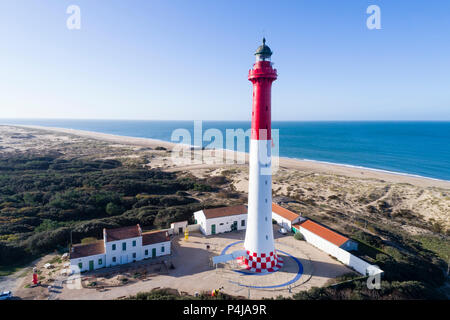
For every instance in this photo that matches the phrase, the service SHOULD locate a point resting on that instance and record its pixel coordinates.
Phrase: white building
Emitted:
(120, 246)
(179, 227)
(335, 245)
(284, 217)
(220, 220)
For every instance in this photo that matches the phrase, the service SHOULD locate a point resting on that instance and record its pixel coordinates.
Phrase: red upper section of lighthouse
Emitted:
(262, 75)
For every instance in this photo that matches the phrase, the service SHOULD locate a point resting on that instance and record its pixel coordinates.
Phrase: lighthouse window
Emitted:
(266, 182)
(266, 200)
(267, 237)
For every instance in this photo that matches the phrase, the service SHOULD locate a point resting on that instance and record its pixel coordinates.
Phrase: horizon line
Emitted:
(221, 120)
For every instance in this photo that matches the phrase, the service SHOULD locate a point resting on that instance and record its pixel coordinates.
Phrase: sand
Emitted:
(328, 192)
(284, 162)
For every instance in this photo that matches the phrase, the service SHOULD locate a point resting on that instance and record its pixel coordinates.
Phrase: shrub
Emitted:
(298, 236)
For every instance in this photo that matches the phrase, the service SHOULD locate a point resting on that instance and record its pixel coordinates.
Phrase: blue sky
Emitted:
(188, 60)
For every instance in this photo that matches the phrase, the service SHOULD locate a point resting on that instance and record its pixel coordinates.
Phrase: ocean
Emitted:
(413, 148)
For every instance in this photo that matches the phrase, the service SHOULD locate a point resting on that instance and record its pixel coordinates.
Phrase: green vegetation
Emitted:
(45, 199)
(298, 236)
(439, 245)
(357, 290)
(172, 294)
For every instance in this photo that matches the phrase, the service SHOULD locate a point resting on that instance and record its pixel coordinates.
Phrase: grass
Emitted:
(10, 269)
(366, 249)
(440, 246)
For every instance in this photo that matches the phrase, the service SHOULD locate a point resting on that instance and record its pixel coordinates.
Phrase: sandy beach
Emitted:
(284, 162)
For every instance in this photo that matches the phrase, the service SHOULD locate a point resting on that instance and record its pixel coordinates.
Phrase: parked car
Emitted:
(5, 295)
(282, 231)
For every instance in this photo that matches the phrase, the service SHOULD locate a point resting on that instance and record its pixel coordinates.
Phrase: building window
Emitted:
(146, 252)
(114, 247)
(124, 246)
(100, 262)
(80, 265)
(134, 255)
(134, 243)
(242, 223)
(114, 259)
(162, 249)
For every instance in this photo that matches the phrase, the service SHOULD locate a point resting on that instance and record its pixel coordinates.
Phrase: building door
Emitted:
(91, 265)
(154, 253)
(234, 226)
(180, 230)
(124, 259)
(213, 229)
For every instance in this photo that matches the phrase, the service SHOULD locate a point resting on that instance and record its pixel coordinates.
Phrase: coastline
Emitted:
(284, 162)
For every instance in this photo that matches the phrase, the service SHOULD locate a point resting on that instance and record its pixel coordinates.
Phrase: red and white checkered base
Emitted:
(261, 263)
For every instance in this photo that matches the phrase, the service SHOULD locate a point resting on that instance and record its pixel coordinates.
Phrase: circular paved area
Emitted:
(288, 276)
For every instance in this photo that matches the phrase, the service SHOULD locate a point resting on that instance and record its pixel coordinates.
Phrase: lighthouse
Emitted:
(259, 245)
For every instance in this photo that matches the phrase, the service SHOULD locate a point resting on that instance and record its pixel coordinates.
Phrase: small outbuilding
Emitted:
(179, 227)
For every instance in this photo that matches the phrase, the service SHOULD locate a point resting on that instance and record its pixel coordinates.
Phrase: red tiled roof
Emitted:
(323, 232)
(123, 233)
(154, 237)
(84, 250)
(225, 211)
(285, 213)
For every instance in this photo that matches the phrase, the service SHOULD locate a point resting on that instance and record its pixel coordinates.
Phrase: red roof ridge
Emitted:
(122, 233)
(323, 232)
(285, 213)
(155, 236)
(225, 211)
(80, 250)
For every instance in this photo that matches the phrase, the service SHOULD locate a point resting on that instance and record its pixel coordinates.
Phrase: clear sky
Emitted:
(189, 59)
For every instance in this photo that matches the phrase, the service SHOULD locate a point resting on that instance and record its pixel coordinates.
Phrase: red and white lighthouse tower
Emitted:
(259, 244)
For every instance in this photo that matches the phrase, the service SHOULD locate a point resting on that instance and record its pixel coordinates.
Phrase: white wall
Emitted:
(285, 223)
(259, 234)
(343, 256)
(199, 216)
(176, 225)
(123, 256)
(193, 227)
(158, 247)
(85, 262)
